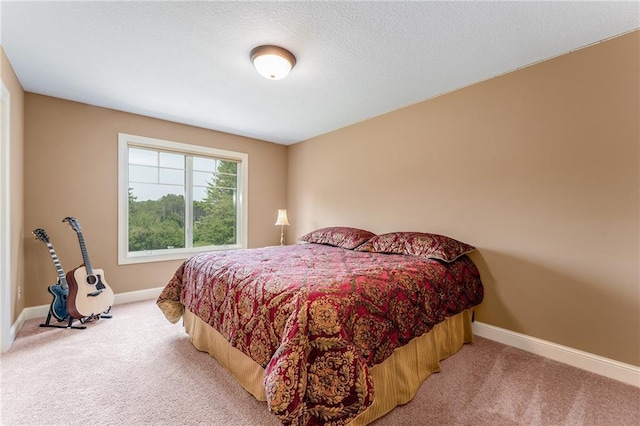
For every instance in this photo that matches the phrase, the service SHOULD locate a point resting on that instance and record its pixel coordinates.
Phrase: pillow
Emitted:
(338, 236)
(433, 246)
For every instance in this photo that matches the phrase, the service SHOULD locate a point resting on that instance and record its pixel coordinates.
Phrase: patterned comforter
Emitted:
(317, 317)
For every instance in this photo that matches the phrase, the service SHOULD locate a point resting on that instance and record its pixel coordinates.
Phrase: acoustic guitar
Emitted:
(89, 293)
(59, 291)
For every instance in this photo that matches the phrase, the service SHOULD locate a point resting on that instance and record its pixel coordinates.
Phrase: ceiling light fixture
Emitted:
(272, 62)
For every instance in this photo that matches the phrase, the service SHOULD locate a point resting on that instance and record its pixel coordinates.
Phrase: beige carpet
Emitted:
(138, 369)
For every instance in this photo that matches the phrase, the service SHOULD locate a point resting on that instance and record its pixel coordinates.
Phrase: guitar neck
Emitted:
(56, 262)
(85, 254)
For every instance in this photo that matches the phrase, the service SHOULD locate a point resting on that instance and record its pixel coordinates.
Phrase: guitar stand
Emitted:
(96, 317)
(70, 320)
(69, 323)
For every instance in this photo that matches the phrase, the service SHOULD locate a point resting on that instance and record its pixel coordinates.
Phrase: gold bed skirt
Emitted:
(396, 380)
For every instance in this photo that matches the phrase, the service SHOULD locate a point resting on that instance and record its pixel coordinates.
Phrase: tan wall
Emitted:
(537, 168)
(71, 154)
(16, 191)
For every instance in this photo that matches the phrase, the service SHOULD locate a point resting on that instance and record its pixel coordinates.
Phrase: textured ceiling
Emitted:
(189, 61)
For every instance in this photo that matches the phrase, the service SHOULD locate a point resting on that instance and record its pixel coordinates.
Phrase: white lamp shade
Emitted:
(272, 62)
(282, 217)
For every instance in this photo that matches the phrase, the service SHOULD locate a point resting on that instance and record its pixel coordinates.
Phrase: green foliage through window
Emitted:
(158, 224)
(217, 226)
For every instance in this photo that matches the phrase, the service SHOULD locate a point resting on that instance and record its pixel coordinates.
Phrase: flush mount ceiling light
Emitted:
(272, 62)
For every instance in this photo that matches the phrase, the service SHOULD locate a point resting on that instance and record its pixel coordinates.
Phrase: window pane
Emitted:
(215, 219)
(204, 164)
(228, 167)
(171, 160)
(202, 178)
(199, 193)
(153, 191)
(143, 174)
(156, 220)
(226, 181)
(171, 176)
(143, 157)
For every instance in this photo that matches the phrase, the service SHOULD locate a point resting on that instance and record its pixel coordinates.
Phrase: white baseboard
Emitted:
(120, 298)
(610, 368)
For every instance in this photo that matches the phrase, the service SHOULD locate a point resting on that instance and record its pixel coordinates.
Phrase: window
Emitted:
(177, 199)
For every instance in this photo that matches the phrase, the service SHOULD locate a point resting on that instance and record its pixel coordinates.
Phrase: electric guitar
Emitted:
(59, 291)
(89, 293)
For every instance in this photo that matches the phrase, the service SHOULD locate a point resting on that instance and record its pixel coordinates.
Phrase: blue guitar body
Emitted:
(59, 291)
(59, 303)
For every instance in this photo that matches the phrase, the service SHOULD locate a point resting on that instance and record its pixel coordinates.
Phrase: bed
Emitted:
(338, 329)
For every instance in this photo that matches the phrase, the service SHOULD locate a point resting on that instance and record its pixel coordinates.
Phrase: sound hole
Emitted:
(91, 279)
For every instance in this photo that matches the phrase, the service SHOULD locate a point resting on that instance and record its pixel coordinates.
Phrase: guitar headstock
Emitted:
(75, 225)
(41, 235)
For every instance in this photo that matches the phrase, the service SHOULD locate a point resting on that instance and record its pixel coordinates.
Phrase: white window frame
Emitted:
(124, 142)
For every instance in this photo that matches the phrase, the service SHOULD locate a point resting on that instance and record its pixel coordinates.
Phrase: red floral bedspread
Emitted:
(318, 317)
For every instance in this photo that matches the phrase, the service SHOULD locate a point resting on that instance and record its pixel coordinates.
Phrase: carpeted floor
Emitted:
(138, 369)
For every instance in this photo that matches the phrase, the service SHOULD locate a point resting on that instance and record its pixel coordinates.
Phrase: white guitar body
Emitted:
(89, 294)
